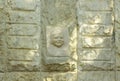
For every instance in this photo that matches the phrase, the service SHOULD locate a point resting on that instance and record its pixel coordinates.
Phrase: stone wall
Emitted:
(59, 40)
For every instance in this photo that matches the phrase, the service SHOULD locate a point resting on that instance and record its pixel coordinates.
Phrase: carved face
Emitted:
(57, 40)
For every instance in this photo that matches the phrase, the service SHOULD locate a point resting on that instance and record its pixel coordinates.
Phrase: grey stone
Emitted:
(22, 42)
(96, 30)
(95, 5)
(104, 18)
(97, 54)
(22, 30)
(23, 76)
(69, 76)
(96, 75)
(23, 4)
(96, 65)
(97, 42)
(22, 17)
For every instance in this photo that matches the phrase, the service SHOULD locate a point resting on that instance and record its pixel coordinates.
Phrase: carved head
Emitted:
(57, 38)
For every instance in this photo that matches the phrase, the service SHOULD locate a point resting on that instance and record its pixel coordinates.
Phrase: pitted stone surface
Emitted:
(98, 75)
(22, 42)
(95, 4)
(59, 40)
(23, 76)
(97, 41)
(23, 29)
(23, 4)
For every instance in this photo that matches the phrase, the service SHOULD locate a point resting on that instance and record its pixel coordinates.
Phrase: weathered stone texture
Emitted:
(23, 76)
(25, 66)
(117, 11)
(23, 4)
(2, 3)
(96, 65)
(96, 75)
(23, 38)
(22, 54)
(96, 30)
(87, 17)
(97, 41)
(22, 42)
(95, 4)
(2, 76)
(117, 36)
(23, 29)
(3, 65)
(97, 54)
(22, 17)
(59, 40)
(68, 76)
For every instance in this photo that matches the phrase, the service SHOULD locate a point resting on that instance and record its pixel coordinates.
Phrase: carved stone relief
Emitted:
(58, 50)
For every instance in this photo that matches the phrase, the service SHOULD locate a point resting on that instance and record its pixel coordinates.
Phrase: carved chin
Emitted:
(58, 45)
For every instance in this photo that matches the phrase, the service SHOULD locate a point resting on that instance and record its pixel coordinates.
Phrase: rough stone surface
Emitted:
(2, 76)
(23, 76)
(22, 42)
(95, 4)
(2, 3)
(94, 17)
(69, 76)
(59, 40)
(96, 65)
(23, 4)
(97, 54)
(96, 30)
(23, 29)
(97, 42)
(96, 75)
(22, 17)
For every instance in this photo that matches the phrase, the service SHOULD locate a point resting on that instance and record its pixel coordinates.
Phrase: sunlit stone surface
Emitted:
(59, 40)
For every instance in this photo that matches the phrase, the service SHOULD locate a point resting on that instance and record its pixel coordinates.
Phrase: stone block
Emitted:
(22, 29)
(97, 42)
(57, 67)
(1, 40)
(2, 76)
(68, 76)
(95, 5)
(23, 17)
(117, 11)
(118, 61)
(2, 51)
(23, 76)
(117, 75)
(97, 54)
(23, 4)
(22, 42)
(96, 76)
(117, 25)
(23, 65)
(117, 40)
(96, 65)
(2, 3)
(2, 65)
(87, 17)
(23, 54)
(96, 30)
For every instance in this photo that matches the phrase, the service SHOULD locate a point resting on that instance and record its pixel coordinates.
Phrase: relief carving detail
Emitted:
(57, 57)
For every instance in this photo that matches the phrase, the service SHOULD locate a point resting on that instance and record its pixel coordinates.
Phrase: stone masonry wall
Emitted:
(20, 36)
(96, 40)
(59, 40)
